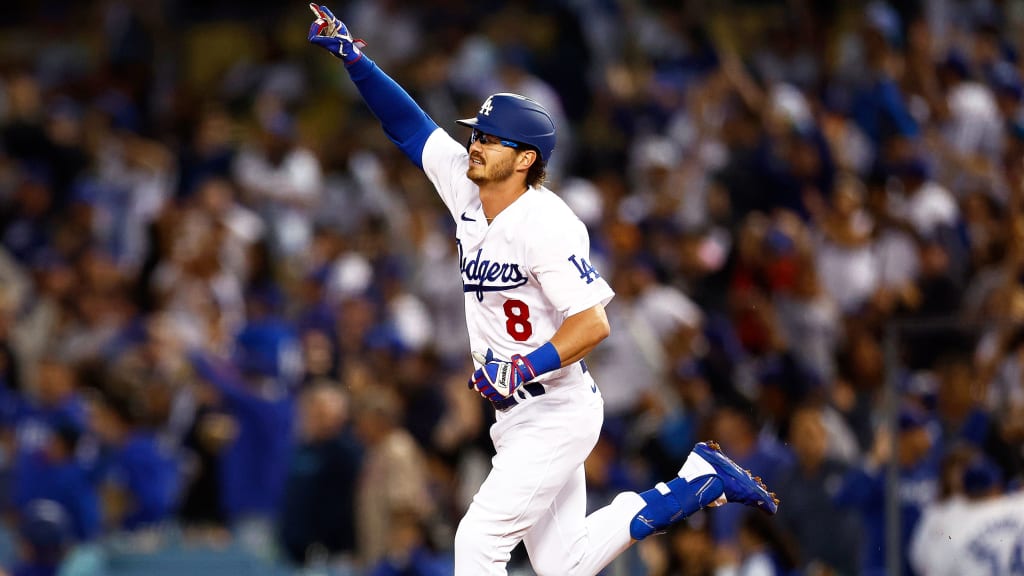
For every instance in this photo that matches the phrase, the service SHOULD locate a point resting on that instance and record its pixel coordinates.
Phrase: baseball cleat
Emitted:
(740, 485)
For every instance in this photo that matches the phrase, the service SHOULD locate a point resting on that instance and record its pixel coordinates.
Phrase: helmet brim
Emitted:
(484, 127)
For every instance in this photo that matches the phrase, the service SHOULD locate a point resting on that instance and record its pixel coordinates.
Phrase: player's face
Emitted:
(490, 159)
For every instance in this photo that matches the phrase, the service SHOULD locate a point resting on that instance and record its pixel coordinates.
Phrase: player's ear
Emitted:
(527, 158)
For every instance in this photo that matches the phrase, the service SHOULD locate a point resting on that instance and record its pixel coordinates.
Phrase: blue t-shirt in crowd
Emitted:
(149, 473)
(864, 490)
(68, 483)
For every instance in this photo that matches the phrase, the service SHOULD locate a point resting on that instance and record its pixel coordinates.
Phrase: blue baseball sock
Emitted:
(671, 502)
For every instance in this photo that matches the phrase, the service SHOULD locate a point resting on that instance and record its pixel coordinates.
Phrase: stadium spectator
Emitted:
(809, 487)
(54, 473)
(256, 388)
(282, 180)
(409, 553)
(863, 489)
(139, 477)
(736, 428)
(691, 552)
(394, 475)
(972, 525)
(317, 519)
(764, 549)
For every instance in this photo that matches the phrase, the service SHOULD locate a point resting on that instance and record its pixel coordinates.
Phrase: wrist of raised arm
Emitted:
(360, 68)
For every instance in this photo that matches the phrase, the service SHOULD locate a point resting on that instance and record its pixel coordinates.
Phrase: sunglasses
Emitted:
(485, 139)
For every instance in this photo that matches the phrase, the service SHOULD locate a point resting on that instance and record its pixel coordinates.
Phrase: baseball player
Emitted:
(981, 532)
(534, 309)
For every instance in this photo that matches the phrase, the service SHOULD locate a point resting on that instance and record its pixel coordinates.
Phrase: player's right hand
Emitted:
(332, 35)
(497, 380)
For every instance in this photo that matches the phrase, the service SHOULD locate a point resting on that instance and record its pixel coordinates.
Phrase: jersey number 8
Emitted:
(517, 322)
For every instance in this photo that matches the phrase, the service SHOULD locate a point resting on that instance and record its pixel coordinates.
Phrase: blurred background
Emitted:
(231, 328)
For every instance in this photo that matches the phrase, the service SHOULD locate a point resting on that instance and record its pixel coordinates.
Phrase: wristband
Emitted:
(544, 359)
(360, 68)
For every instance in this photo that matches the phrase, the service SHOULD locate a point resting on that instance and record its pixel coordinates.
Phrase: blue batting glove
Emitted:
(498, 380)
(332, 35)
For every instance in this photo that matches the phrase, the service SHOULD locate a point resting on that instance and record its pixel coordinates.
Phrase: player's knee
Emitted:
(631, 499)
(571, 562)
(467, 536)
(636, 504)
(472, 538)
(558, 565)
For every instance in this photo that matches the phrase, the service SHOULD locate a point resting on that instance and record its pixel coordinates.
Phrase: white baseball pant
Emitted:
(536, 492)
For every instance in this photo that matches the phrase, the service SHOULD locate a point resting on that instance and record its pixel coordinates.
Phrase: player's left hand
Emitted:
(497, 380)
(332, 35)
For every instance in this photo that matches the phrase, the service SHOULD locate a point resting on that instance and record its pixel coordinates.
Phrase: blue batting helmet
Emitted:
(517, 118)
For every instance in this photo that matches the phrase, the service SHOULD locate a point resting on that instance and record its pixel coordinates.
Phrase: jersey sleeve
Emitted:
(445, 162)
(558, 255)
(404, 122)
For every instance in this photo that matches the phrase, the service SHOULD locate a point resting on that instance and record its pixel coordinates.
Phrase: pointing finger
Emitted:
(326, 13)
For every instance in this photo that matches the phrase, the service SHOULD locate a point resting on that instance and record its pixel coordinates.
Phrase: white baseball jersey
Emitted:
(522, 276)
(525, 272)
(959, 537)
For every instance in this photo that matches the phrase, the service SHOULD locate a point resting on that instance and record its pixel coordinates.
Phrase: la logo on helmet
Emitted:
(486, 108)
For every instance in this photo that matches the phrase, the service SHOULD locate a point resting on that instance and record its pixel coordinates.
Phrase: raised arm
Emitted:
(404, 122)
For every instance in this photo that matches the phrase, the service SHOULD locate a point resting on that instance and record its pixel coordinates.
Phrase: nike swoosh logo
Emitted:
(467, 218)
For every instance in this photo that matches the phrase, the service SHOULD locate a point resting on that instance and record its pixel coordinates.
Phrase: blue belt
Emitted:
(534, 389)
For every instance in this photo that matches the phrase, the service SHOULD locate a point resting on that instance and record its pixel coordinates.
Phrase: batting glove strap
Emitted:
(541, 361)
(524, 369)
(332, 35)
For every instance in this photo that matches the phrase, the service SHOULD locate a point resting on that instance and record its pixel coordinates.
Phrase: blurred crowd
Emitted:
(228, 305)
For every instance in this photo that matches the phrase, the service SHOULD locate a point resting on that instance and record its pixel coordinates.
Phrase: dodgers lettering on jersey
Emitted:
(481, 274)
(524, 273)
